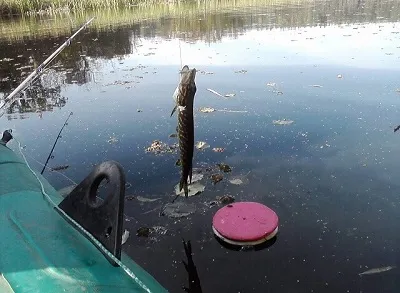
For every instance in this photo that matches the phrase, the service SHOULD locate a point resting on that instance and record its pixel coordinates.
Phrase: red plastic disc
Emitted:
(245, 222)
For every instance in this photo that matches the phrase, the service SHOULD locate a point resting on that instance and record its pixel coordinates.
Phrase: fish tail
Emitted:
(184, 184)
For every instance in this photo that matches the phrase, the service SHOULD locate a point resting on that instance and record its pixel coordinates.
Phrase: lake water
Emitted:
(332, 68)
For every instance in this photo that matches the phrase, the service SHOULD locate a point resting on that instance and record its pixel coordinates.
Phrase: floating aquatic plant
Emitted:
(282, 122)
(194, 189)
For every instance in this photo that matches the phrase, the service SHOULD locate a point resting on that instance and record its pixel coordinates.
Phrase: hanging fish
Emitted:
(184, 98)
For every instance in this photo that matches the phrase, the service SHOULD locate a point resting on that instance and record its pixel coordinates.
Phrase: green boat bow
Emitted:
(43, 252)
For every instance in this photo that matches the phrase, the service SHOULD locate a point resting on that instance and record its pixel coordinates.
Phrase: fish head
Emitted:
(187, 86)
(188, 76)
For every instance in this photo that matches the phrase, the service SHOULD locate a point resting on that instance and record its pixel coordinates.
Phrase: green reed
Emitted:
(185, 16)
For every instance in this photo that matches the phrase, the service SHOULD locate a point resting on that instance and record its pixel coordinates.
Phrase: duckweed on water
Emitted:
(215, 178)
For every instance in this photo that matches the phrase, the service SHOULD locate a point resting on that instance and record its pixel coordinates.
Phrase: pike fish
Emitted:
(184, 98)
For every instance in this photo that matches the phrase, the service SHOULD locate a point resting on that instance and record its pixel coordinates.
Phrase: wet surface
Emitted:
(329, 69)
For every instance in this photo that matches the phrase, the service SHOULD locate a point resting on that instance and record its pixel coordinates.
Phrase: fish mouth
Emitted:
(187, 75)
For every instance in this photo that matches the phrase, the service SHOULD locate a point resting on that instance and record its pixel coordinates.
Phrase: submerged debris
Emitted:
(194, 189)
(224, 167)
(282, 122)
(197, 177)
(159, 147)
(220, 200)
(210, 110)
(143, 232)
(125, 236)
(173, 135)
(141, 198)
(230, 95)
(59, 168)
(239, 179)
(226, 199)
(201, 145)
(377, 270)
(178, 162)
(206, 110)
(232, 111)
(215, 178)
(119, 82)
(146, 231)
(178, 210)
(146, 199)
(212, 203)
(236, 181)
(218, 150)
(205, 72)
(112, 139)
(159, 230)
(215, 93)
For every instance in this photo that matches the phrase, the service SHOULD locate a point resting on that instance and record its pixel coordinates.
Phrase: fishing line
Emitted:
(79, 227)
(180, 52)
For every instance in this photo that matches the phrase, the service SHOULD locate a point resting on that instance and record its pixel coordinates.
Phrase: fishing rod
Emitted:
(54, 145)
(40, 68)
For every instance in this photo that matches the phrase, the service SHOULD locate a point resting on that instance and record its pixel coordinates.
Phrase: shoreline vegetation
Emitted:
(13, 8)
(18, 8)
(197, 17)
(32, 7)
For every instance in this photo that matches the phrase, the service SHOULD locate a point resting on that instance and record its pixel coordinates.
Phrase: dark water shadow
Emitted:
(194, 285)
(257, 247)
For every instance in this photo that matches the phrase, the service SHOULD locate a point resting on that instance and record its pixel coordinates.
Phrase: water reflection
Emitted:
(36, 99)
(262, 246)
(194, 284)
(120, 34)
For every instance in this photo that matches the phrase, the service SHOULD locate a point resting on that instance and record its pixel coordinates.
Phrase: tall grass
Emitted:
(20, 7)
(184, 16)
(59, 23)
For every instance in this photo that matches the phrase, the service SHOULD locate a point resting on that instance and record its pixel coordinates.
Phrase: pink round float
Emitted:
(245, 223)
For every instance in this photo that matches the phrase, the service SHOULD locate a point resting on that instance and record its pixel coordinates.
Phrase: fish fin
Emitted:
(186, 265)
(183, 184)
(190, 175)
(173, 111)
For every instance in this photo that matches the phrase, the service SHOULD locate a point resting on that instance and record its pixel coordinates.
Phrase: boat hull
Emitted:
(42, 252)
